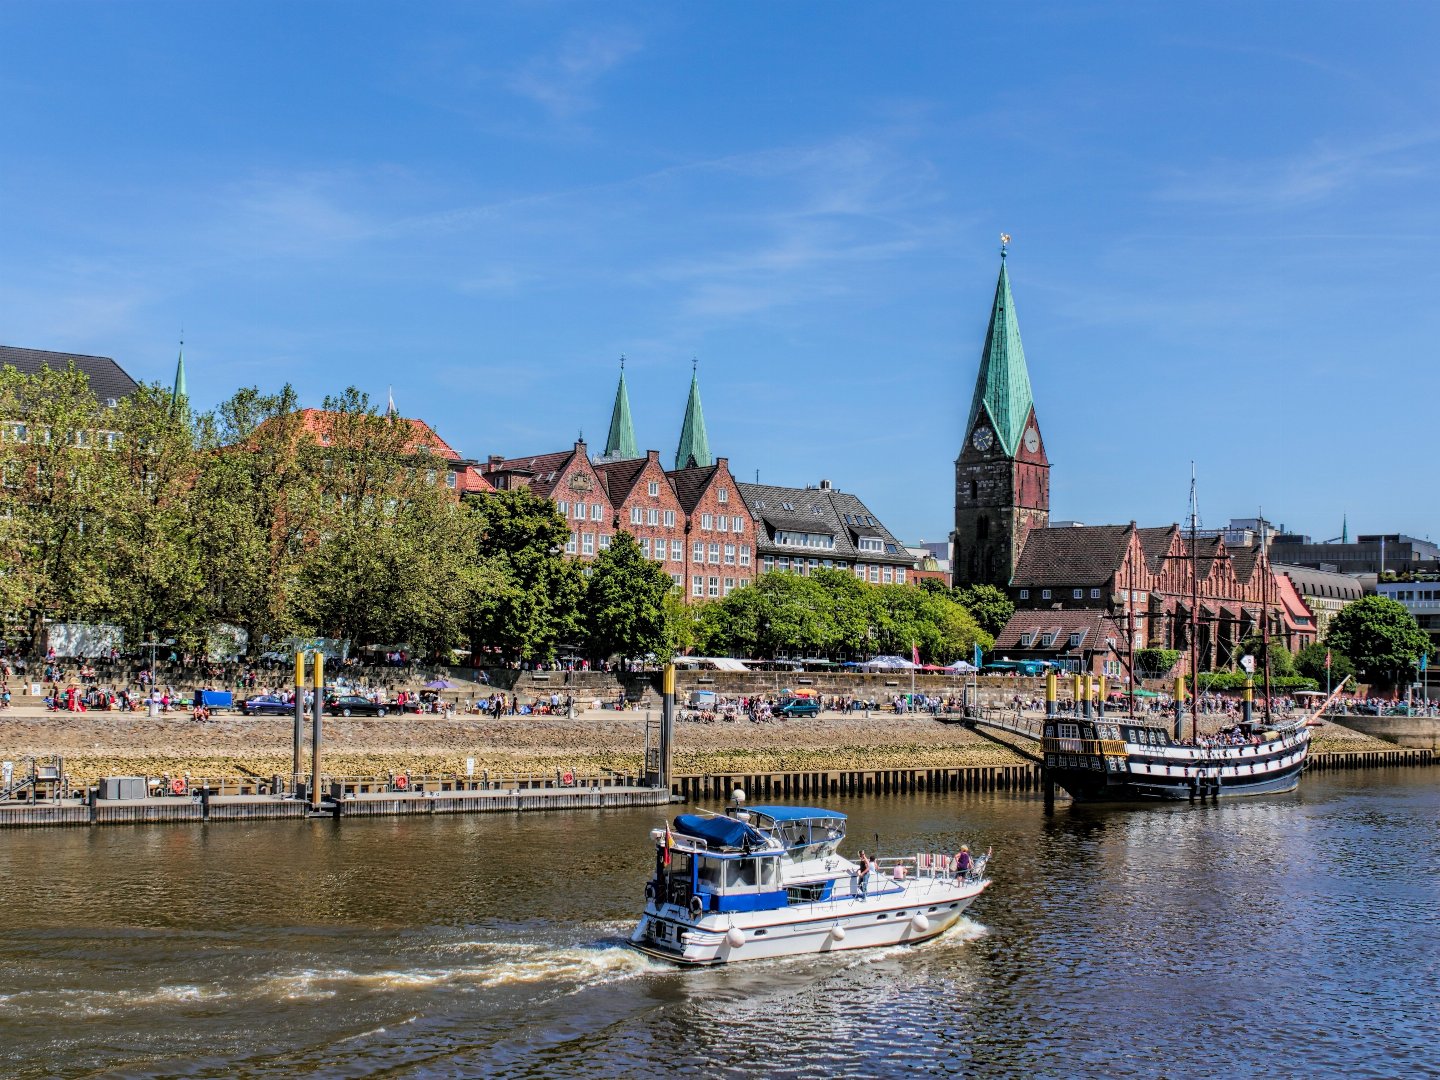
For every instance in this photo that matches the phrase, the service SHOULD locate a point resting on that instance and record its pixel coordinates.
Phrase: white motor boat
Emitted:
(766, 881)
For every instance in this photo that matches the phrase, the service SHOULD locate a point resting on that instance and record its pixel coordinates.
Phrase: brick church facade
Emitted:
(1080, 591)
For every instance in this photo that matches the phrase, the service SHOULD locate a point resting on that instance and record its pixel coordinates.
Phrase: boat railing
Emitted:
(1088, 747)
(924, 865)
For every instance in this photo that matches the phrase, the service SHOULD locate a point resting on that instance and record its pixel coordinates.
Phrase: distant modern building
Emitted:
(801, 530)
(1377, 553)
(932, 561)
(1421, 598)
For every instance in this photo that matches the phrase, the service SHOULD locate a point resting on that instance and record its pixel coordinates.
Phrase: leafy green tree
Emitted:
(154, 557)
(254, 498)
(1310, 662)
(625, 612)
(1282, 661)
(988, 605)
(56, 482)
(1380, 637)
(533, 603)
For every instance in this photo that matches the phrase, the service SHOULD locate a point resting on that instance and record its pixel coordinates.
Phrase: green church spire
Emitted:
(620, 446)
(1002, 391)
(178, 394)
(694, 449)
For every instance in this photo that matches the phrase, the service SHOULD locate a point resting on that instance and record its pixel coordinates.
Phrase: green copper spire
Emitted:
(1002, 391)
(694, 446)
(178, 394)
(620, 446)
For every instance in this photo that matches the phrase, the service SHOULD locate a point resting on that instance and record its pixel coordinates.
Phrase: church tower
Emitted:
(1002, 476)
(620, 444)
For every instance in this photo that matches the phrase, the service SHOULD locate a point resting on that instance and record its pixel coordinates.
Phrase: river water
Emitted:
(1281, 936)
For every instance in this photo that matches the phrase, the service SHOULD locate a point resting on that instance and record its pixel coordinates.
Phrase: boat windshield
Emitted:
(804, 831)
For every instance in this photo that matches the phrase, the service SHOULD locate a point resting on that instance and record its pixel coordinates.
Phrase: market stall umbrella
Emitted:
(439, 684)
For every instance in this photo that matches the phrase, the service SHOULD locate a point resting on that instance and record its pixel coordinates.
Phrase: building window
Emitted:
(737, 524)
(871, 543)
(744, 554)
(604, 541)
(722, 495)
(1074, 641)
(887, 575)
(570, 545)
(645, 546)
(1025, 640)
(729, 585)
(875, 574)
(697, 586)
(1047, 640)
(730, 554)
(768, 563)
(636, 515)
(659, 550)
(1094, 594)
(563, 507)
(860, 571)
(587, 543)
(654, 488)
(669, 519)
(652, 516)
(1078, 594)
(782, 563)
(714, 586)
(707, 522)
(722, 523)
(597, 512)
(677, 550)
(715, 554)
(451, 480)
(899, 575)
(1044, 594)
(1024, 594)
(697, 552)
(579, 511)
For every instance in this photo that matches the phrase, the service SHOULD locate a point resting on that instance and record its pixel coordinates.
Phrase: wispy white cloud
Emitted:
(1314, 176)
(563, 81)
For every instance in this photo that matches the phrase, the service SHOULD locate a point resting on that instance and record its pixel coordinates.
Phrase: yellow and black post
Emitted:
(667, 723)
(1179, 705)
(299, 733)
(1052, 691)
(315, 717)
(1089, 690)
(1075, 688)
(1249, 699)
(1100, 697)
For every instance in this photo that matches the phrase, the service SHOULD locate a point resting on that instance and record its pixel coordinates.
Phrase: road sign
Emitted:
(1248, 663)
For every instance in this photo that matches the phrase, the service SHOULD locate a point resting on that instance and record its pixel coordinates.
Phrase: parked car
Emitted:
(798, 707)
(267, 705)
(355, 705)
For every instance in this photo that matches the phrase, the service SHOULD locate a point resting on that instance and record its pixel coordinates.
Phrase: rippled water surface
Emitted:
(1280, 936)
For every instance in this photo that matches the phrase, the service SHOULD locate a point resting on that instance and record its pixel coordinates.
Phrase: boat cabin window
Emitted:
(1069, 731)
(739, 875)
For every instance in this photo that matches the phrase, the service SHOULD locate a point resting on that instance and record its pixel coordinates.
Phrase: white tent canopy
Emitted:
(888, 663)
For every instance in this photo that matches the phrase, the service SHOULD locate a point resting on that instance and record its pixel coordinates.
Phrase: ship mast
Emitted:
(1194, 611)
(1265, 583)
(1130, 618)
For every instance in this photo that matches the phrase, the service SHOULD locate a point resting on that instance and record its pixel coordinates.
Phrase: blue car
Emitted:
(267, 705)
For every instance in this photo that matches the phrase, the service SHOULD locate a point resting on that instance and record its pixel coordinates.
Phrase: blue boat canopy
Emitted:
(723, 832)
(796, 813)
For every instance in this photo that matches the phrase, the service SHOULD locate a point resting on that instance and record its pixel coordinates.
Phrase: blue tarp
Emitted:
(796, 813)
(718, 831)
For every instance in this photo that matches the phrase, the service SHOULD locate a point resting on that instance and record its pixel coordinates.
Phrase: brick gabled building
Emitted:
(720, 530)
(812, 528)
(1129, 574)
(569, 480)
(646, 506)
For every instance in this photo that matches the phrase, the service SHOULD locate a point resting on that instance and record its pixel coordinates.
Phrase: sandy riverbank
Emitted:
(111, 744)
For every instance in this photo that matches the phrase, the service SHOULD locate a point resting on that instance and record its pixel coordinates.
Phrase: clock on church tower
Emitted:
(1002, 476)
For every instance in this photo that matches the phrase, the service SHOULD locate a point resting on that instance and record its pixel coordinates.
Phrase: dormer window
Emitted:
(1025, 640)
(1074, 641)
(1047, 640)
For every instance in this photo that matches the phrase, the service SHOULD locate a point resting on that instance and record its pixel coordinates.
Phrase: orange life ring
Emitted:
(177, 786)
(568, 778)
(402, 782)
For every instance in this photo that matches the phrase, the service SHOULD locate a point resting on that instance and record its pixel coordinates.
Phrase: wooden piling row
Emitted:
(1370, 759)
(792, 785)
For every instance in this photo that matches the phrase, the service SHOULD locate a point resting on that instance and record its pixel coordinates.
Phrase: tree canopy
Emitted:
(1380, 636)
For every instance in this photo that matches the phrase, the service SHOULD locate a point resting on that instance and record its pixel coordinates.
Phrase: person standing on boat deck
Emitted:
(963, 862)
(861, 875)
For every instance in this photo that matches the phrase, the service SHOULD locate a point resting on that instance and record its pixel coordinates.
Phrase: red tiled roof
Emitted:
(1078, 555)
(620, 477)
(690, 484)
(1094, 626)
(319, 422)
(543, 469)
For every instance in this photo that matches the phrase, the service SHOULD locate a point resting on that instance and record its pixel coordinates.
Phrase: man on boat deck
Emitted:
(861, 876)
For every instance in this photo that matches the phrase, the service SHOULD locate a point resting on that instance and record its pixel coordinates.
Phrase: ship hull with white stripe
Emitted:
(1120, 761)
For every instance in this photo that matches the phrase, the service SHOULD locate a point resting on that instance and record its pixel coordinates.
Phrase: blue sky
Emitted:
(1225, 222)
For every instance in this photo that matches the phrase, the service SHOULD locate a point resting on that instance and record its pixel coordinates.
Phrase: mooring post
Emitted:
(299, 720)
(1075, 689)
(1052, 688)
(1100, 698)
(1089, 689)
(315, 718)
(667, 722)
(1249, 699)
(1179, 705)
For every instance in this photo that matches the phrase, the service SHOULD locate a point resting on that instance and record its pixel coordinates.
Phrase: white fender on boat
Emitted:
(735, 936)
(920, 923)
(837, 932)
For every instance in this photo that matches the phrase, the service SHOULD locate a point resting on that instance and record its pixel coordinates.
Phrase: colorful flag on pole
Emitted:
(1327, 659)
(668, 842)
(1424, 661)
(915, 654)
